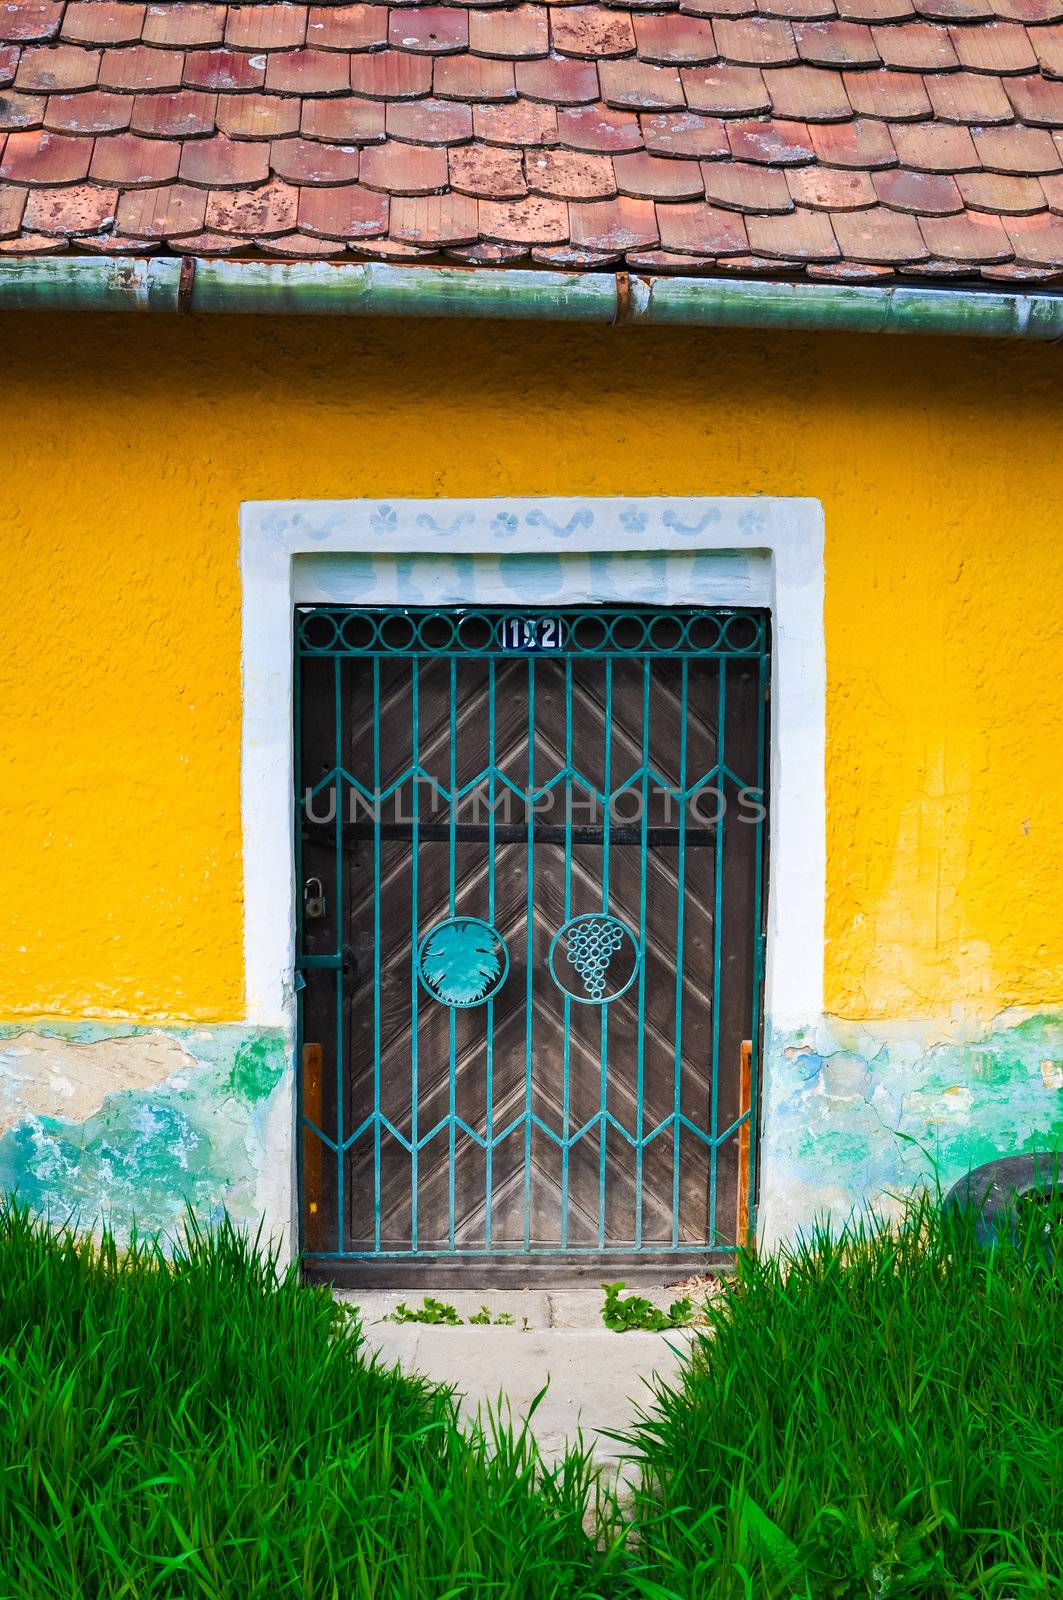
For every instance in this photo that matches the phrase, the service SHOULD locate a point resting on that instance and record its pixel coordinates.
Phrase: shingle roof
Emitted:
(842, 139)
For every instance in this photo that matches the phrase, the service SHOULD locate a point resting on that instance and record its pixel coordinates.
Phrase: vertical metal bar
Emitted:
(603, 1088)
(681, 873)
(376, 953)
(452, 1109)
(567, 1003)
(415, 992)
(758, 918)
(530, 919)
(717, 936)
(300, 1123)
(341, 1220)
(489, 1091)
(640, 1043)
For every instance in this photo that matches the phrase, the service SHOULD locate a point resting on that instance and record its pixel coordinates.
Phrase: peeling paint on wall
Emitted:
(856, 1115)
(155, 1122)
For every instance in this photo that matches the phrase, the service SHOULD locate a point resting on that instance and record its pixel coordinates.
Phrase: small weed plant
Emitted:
(439, 1313)
(625, 1314)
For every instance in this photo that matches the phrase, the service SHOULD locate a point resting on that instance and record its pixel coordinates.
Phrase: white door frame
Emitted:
(700, 551)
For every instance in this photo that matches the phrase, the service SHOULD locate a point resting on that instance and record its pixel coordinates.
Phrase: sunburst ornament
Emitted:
(463, 962)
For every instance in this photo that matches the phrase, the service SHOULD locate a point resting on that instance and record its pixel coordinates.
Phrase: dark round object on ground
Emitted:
(1001, 1191)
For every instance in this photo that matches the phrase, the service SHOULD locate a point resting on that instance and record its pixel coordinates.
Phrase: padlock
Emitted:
(314, 903)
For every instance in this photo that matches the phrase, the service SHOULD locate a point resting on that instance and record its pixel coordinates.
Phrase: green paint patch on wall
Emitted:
(854, 1119)
(196, 1139)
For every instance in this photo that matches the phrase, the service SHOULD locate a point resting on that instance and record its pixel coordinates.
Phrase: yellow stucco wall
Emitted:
(128, 443)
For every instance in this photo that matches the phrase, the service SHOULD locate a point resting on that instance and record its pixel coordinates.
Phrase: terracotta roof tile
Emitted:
(357, 27)
(895, 96)
(487, 172)
(224, 69)
(266, 27)
(685, 133)
(836, 44)
(915, 47)
(165, 213)
(970, 236)
(1037, 241)
(307, 72)
(222, 163)
(932, 193)
(12, 205)
(32, 244)
(797, 236)
(184, 22)
(132, 162)
(140, 67)
(1047, 44)
(701, 230)
(633, 83)
(306, 161)
(260, 116)
(657, 177)
(572, 174)
(726, 91)
(739, 136)
(429, 30)
(22, 110)
(807, 94)
(102, 22)
(404, 168)
(667, 38)
(737, 186)
(1025, 151)
(970, 97)
(96, 111)
(1038, 101)
(860, 143)
(830, 188)
(273, 208)
(511, 35)
(999, 47)
(37, 157)
(534, 220)
(1011, 196)
(558, 80)
(774, 142)
(75, 209)
(879, 236)
(935, 147)
(598, 128)
(58, 68)
(469, 77)
(347, 121)
(350, 212)
(621, 224)
(446, 219)
(31, 19)
(591, 31)
(752, 42)
(429, 121)
(518, 122)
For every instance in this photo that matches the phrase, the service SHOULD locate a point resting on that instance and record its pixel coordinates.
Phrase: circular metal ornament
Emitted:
(462, 962)
(592, 945)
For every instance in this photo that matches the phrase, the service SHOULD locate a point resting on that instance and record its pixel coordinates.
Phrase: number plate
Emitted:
(524, 635)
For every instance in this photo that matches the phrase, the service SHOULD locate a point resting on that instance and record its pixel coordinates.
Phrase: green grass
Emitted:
(879, 1417)
(203, 1427)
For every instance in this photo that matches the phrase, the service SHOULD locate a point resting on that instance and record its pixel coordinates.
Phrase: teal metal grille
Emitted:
(530, 945)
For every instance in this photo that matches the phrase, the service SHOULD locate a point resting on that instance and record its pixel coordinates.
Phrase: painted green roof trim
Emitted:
(189, 284)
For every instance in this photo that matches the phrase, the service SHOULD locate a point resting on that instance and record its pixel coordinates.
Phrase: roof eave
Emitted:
(325, 288)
